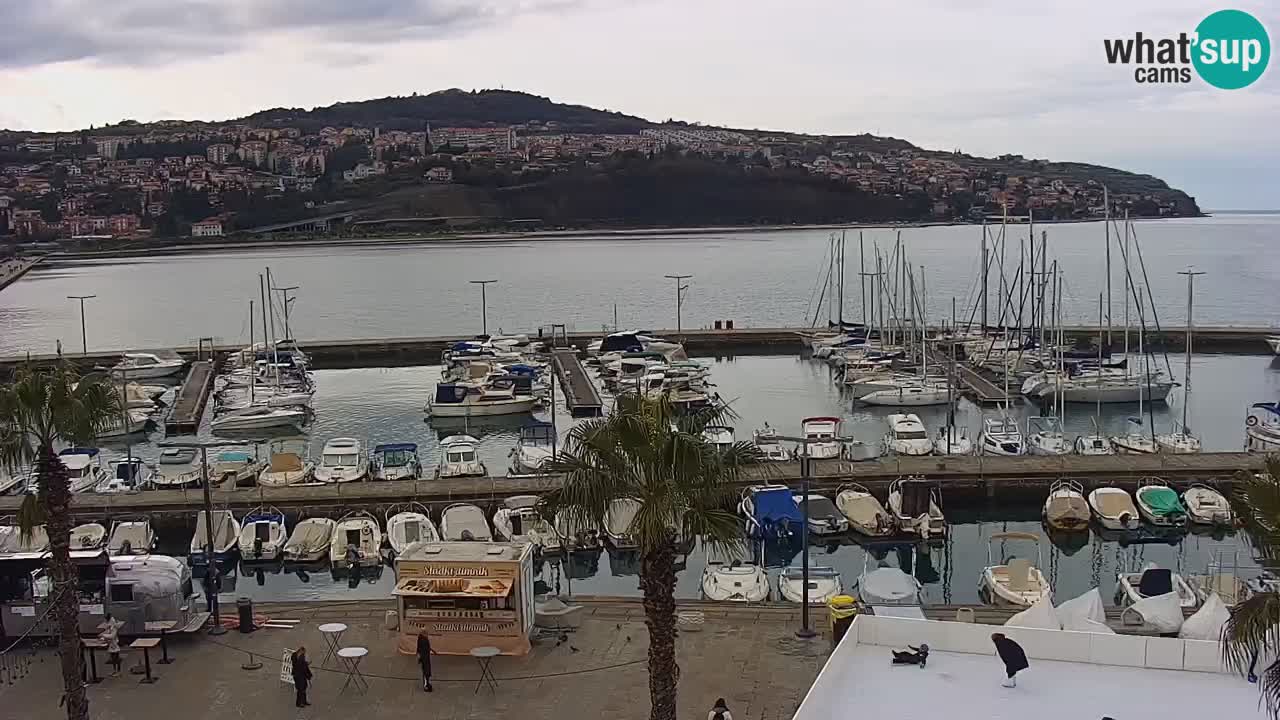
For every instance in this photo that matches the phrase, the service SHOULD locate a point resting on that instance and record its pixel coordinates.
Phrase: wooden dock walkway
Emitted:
(188, 404)
(974, 384)
(580, 394)
(973, 480)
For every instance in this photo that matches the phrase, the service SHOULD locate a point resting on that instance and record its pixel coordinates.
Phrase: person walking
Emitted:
(111, 636)
(301, 676)
(719, 711)
(1013, 657)
(424, 659)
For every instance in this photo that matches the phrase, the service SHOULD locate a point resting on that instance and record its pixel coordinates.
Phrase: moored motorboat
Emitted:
(824, 584)
(1114, 508)
(1066, 508)
(89, 536)
(767, 443)
(518, 520)
(396, 461)
(226, 539)
(1152, 581)
(458, 458)
(262, 535)
(143, 366)
(1262, 429)
(885, 585)
(407, 524)
(1015, 582)
(471, 400)
(575, 535)
(309, 542)
(356, 541)
(907, 436)
(259, 417)
(464, 521)
(824, 518)
(1001, 436)
(617, 523)
(916, 507)
(132, 422)
(342, 460)
(285, 467)
(864, 512)
(952, 441)
(131, 537)
(726, 577)
(1206, 506)
(84, 468)
(770, 512)
(823, 434)
(535, 447)
(1159, 504)
(128, 474)
(720, 437)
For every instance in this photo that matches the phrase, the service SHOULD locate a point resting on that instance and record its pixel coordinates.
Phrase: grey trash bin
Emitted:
(244, 606)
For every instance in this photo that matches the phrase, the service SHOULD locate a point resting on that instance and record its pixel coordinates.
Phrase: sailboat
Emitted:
(1095, 443)
(1136, 442)
(1044, 434)
(1182, 442)
(952, 440)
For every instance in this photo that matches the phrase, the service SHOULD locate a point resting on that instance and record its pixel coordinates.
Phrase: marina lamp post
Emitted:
(806, 631)
(484, 304)
(210, 564)
(84, 337)
(680, 289)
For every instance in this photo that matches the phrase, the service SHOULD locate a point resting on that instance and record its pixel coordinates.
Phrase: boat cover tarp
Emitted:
(1208, 621)
(309, 538)
(776, 506)
(1162, 501)
(887, 585)
(1040, 615)
(1162, 613)
(1084, 614)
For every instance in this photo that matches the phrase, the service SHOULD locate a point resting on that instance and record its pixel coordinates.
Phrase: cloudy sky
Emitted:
(984, 76)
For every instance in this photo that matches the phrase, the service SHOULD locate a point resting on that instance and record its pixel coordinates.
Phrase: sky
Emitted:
(983, 76)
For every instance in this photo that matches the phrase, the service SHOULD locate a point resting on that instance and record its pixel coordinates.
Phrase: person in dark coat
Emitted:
(424, 659)
(1013, 657)
(912, 655)
(301, 675)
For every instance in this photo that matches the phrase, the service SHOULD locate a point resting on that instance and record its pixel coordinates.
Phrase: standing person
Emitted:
(424, 659)
(301, 675)
(1013, 657)
(719, 711)
(111, 636)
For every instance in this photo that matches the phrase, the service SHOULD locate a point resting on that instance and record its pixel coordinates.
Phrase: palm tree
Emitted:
(1254, 627)
(645, 451)
(39, 409)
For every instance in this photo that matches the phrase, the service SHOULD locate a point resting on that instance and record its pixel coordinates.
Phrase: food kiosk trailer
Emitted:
(466, 595)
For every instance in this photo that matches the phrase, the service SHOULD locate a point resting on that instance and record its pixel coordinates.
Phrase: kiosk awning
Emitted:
(453, 587)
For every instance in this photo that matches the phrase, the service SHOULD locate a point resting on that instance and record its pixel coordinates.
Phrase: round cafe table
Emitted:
(484, 656)
(332, 634)
(351, 657)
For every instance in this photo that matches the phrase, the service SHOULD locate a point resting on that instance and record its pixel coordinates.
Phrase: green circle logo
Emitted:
(1232, 49)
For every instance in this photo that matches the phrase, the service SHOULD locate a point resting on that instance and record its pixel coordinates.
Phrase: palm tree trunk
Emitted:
(658, 582)
(55, 491)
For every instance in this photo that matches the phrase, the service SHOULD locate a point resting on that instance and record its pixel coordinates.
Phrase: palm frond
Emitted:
(1254, 624)
(1255, 503)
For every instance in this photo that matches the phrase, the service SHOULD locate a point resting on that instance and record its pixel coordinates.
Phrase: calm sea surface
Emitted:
(760, 279)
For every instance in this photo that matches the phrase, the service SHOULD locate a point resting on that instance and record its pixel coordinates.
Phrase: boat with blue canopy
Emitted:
(770, 512)
(396, 461)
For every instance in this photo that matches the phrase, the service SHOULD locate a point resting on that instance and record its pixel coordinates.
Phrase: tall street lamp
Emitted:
(210, 564)
(679, 297)
(484, 304)
(84, 337)
(806, 631)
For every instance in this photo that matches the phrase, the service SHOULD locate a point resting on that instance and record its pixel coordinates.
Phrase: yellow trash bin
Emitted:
(843, 609)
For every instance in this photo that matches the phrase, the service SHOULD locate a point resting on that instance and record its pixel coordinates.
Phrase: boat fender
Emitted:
(1251, 421)
(1125, 518)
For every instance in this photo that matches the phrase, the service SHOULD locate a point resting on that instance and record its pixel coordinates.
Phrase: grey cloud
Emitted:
(141, 32)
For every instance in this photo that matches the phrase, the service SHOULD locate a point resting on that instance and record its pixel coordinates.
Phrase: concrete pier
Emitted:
(13, 269)
(580, 394)
(189, 404)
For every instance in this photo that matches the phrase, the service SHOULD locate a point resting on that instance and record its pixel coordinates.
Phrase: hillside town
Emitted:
(205, 180)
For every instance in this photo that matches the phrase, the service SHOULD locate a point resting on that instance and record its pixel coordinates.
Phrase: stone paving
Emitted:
(752, 659)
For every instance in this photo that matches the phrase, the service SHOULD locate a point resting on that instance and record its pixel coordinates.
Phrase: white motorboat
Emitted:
(721, 437)
(144, 366)
(356, 540)
(133, 422)
(238, 466)
(1273, 342)
(575, 536)
(916, 507)
(285, 467)
(824, 517)
(458, 458)
(259, 417)
(767, 443)
(309, 542)
(1178, 443)
(1262, 430)
(396, 461)
(471, 400)
(1001, 436)
(1152, 581)
(770, 512)
(262, 535)
(1114, 508)
(177, 456)
(89, 536)
(855, 450)
(863, 511)
(226, 538)
(825, 431)
(824, 584)
(885, 585)
(177, 478)
(12, 541)
(952, 441)
(1015, 582)
(464, 521)
(408, 524)
(518, 520)
(535, 447)
(131, 537)
(915, 394)
(1206, 506)
(617, 523)
(342, 460)
(1066, 508)
(1045, 437)
(84, 468)
(15, 483)
(1159, 504)
(726, 577)
(907, 436)
(128, 474)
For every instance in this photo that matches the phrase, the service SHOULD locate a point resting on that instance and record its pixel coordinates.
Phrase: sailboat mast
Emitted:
(862, 279)
(1127, 286)
(254, 353)
(262, 288)
(840, 309)
(1106, 224)
(984, 273)
(1186, 387)
(831, 279)
(1097, 380)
